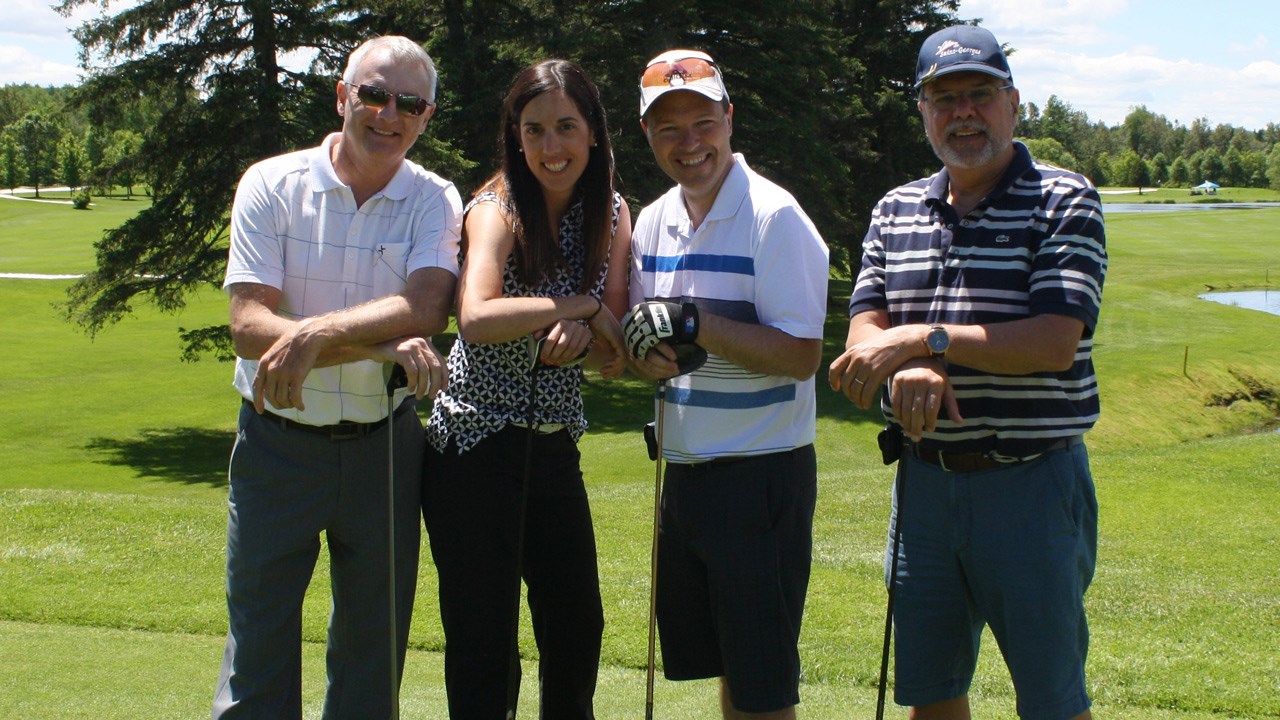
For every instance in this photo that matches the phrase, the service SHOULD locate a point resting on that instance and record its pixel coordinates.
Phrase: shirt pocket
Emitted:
(390, 268)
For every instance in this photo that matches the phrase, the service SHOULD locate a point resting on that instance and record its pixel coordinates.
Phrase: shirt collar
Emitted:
(732, 193)
(322, 172)
(326, 178)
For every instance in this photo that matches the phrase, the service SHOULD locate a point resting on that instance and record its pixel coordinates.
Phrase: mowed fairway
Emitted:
(113, 503)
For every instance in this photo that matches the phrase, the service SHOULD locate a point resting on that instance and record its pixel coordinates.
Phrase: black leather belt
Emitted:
(965, 462)
(337, 432)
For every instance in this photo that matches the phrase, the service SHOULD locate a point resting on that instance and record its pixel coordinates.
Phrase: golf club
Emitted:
(893, 581)
(395, 378)
(653, 553)
(534, 346)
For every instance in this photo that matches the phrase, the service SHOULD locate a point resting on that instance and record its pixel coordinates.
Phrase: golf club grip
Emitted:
(395, 377)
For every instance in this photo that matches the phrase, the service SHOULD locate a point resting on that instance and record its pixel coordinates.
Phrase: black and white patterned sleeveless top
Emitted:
(489, 383)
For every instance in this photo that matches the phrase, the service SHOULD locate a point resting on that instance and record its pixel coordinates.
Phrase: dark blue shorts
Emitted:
(1011, 548)
(733, 569)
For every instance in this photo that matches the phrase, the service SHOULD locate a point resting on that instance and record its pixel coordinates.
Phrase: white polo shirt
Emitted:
(295, 227)
(756, 258)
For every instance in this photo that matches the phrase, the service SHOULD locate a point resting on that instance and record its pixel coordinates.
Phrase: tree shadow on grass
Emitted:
(190, 455)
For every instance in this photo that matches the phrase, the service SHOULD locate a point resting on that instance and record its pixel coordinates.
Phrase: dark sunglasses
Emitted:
(377, 98)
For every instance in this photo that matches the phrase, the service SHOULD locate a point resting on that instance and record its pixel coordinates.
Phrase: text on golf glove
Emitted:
(655, 321)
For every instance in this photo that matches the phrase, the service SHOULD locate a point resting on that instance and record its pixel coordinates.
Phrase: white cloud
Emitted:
(35, 44)
(19, 65)
(1108, 88)
(1259, 46)
(32, 18)
(1071, 24)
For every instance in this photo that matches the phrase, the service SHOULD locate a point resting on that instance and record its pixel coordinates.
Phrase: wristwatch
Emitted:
(937, 341)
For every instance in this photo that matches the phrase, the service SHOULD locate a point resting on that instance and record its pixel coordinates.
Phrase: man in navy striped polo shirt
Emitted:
(976, 306)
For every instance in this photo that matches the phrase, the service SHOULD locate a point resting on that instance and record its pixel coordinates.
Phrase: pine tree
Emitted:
(224, 101)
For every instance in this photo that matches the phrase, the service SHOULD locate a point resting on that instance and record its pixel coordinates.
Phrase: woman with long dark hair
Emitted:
(544, 279)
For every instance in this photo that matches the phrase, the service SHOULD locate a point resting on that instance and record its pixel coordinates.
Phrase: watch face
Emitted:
(938, 341)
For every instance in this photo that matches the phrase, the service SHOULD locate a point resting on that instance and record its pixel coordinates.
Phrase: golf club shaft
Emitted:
(653, 553)
(391, 548)
(893, 581)
(513, 668)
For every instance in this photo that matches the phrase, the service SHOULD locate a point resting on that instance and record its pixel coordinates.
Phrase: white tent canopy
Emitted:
(1206, 185)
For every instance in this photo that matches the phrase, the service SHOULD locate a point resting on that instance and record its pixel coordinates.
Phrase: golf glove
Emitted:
(655, 321)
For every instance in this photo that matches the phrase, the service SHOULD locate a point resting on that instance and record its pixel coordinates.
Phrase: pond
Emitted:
(1111, 208)
(1267, 301)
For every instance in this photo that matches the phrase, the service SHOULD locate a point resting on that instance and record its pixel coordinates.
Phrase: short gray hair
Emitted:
(401, 49)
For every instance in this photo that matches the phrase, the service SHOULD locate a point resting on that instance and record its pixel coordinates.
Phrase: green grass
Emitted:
(112, 506)
(57, 239)
(1153, 323)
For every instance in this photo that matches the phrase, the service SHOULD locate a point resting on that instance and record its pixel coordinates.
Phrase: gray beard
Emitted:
(951, 157)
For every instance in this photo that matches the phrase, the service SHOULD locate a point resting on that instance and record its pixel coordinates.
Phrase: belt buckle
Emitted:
(345, 431)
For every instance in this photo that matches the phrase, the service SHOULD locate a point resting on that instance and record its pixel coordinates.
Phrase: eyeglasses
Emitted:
(978, 97)
(377, 98)
(677, 72)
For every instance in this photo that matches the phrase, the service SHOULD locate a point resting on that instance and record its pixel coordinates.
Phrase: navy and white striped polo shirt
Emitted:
(1035, 245)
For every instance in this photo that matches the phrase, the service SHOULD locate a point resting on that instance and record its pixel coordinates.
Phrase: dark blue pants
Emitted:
(287, 487)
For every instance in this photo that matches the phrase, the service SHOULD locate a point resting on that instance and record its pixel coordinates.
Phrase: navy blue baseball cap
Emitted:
(960, 48)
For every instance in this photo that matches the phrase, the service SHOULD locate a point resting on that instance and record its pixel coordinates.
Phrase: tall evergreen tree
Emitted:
(214, 74)
(821, 89)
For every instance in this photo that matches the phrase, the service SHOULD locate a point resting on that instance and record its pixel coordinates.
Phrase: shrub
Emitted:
(80, 200)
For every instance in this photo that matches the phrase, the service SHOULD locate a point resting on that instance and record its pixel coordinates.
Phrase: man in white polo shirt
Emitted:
(737, 264)
(343, 260)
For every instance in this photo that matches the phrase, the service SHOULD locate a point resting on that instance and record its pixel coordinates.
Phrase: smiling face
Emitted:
(556, 142)
(970, 136)
(375, 140)
(689, 135)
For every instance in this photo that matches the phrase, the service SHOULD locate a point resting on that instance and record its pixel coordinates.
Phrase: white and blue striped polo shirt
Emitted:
(756, 258)
(1034, 246)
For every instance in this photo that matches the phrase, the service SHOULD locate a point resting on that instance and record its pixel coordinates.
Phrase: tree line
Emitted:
(822, 91)
(47, 140)
(1148, 149)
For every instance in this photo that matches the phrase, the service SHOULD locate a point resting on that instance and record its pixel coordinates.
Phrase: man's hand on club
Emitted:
(919, 392)
(424, 366)
(657, 364)
(657, 321)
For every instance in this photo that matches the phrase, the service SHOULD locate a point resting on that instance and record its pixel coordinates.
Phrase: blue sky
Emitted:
(1183, 60)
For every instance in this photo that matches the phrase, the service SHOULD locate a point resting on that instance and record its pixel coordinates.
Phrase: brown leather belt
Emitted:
(966, 462)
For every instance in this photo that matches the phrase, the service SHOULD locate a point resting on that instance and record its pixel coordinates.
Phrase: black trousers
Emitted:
(471, 505)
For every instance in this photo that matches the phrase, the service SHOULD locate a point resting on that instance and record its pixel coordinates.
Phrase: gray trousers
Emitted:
(287, 487)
